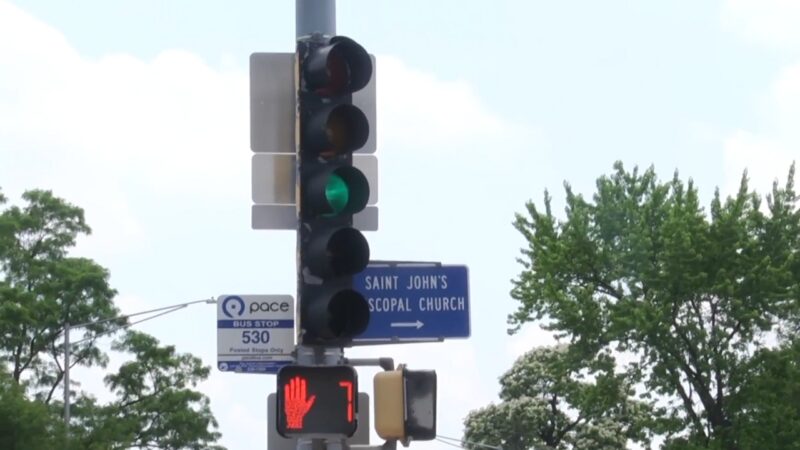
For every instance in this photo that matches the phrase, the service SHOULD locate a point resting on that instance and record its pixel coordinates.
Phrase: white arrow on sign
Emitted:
(416, 324)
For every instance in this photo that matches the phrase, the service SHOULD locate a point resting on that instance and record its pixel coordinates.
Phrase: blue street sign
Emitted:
(414, 303)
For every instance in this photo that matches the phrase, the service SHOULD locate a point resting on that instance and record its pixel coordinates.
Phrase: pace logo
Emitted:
(233, 305)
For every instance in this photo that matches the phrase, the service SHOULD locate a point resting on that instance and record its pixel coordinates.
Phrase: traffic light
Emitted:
(317, 400)
(405, 404)
(331, 190)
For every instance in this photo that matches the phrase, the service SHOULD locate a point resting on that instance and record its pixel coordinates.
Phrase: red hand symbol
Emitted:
(295, 404)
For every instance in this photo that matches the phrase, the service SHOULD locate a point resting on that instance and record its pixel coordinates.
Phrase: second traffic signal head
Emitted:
(331, 189)
(405, 404)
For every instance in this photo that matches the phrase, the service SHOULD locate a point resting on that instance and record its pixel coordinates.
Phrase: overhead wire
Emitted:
(114, 330)
(448, 443)
(476, 444)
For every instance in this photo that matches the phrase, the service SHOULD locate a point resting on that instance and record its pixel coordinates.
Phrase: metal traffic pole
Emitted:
(66, 375)
(315, 16)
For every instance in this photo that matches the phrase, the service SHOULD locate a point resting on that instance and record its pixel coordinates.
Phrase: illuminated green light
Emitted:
(337, 193)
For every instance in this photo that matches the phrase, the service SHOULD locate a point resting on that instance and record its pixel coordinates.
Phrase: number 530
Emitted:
(255, 337)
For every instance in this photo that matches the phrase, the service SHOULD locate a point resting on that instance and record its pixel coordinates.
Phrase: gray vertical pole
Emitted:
(66, 376)
(315, 16)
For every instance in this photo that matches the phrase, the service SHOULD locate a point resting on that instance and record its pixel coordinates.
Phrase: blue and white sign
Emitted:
(414, 303)
(255, 333)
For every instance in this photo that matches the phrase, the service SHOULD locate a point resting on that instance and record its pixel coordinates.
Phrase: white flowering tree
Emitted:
(547, 404)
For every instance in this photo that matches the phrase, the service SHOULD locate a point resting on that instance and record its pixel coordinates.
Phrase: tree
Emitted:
(643, 268)
(41, 289)
(25, 424)
(547, 405)
(154, 406)
(767, 405)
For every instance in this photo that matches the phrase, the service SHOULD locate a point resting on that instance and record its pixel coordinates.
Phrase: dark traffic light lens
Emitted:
(348, 252)
(341, 67)
(335, 130)
(349, 313)
(338, 71)
(336, 253)
(346, 130)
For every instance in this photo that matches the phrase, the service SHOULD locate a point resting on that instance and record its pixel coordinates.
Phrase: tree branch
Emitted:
(699, 314)
(695, 376)
(17, 360)
(687, 403)
(570, 426)
(59, 377)
(736, 329)
(606, 288)
(31, 354)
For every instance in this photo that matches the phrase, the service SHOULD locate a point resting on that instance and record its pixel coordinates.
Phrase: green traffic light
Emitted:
(337, 193)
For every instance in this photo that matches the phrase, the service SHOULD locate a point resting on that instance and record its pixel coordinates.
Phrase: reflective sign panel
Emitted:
(317, 400)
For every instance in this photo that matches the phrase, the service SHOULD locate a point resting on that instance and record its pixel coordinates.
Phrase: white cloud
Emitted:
(97, 131)
(427, 112)
(768, 154)
(172, 123)
(770, 22)
(107, 133)
(132, 304)
(785, 93)
(765, 160)
(528, 338)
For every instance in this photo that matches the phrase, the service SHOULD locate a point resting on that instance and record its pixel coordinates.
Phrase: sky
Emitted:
(138, 111)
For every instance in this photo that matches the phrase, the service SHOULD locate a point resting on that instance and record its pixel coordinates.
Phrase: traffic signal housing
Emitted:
(405, 404)
(331, 128)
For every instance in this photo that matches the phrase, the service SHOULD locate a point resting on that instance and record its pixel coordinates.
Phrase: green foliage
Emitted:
(643, 268)
(42, 288)
(25, 424)
(547, 404)
(154, 401)
(767, 405)
(154, 405)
